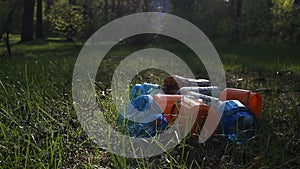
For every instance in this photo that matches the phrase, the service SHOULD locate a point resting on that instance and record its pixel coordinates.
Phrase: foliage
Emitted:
(255, 23)
(282, 8)
(225, 20)
(282, 11)
(67, 19)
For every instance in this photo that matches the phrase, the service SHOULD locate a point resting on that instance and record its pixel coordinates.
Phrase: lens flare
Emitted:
(162, 6)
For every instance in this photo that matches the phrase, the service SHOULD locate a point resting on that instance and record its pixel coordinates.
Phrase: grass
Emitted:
(261, 56)
(39, 127)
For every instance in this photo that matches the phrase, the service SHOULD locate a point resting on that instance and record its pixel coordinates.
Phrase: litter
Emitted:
(154, 108)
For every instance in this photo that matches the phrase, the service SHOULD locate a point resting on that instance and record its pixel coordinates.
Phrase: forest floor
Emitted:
(39, 127)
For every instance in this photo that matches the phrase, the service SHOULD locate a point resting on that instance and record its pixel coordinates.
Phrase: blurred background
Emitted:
(254, 21)
(258, 43)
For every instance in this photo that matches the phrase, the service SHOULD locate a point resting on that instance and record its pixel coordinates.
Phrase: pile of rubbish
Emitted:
(153, 108)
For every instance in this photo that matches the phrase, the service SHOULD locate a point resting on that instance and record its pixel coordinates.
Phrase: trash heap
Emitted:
(154, 108)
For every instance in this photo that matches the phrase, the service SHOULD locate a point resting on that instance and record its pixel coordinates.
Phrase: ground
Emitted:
(39, 127)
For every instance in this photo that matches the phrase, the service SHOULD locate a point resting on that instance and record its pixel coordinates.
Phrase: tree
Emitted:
(296, 21)
(282, 11)
(39, 34)
(27, 22)
(67, 19)
(256, 24)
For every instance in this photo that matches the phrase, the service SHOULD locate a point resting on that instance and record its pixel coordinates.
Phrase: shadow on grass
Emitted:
(44, 48)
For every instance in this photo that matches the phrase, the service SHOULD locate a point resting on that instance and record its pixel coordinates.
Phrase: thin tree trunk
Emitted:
(119, 9)
(39, 34)
(106, 18)
(8, 48)
(239, 8)
(27, 22)
(113, 8)
(231, 8)
(5, 29)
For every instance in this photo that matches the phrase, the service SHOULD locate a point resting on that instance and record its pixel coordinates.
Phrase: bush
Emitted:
(67, 20)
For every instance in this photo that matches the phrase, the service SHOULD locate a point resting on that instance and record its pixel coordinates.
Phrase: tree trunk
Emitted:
(231, 9)
(105, 7)
(119, 9)
(8, 48)
(27, 23)
(239, 8)
(6, 30)
(113, 8)
(39, 34)
(7, 20)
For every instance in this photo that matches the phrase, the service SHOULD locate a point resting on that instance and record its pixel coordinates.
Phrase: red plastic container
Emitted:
(167, 103)
(248, 98)
(190, 109)
(172, 104)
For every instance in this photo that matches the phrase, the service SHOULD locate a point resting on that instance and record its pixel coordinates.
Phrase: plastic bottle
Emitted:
(173, 83)
(142, 117)
(146, 88)
(248, 98)
(237, 123)
(203, 90)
